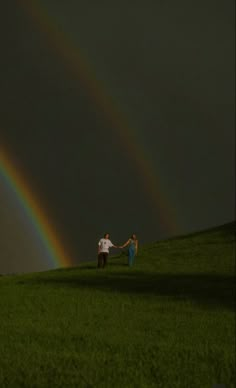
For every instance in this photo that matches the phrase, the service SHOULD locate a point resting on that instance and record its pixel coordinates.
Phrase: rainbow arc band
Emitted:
(62, 45)
(28, 203)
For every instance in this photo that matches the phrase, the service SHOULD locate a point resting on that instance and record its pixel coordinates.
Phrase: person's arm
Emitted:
(99, 246)
(113, 246)
(136, 247)
(125, 244)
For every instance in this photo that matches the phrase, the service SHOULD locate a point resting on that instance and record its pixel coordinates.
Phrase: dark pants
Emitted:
(102, 259)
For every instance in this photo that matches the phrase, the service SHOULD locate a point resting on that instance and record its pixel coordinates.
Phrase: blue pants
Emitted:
(131, 254)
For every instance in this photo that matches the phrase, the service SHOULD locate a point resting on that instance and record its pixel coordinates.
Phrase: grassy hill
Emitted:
(167, 322)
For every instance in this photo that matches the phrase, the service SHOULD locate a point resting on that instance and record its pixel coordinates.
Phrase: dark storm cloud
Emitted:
(169, 66)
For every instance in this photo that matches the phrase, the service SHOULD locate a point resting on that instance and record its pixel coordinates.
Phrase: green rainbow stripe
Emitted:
(77, 65)
(27, 201)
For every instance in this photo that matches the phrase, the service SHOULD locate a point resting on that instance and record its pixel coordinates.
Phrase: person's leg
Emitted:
(100, 260)
(131, 256)
(105, 256)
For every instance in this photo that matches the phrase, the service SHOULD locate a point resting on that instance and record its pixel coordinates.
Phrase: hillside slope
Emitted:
(167, 322)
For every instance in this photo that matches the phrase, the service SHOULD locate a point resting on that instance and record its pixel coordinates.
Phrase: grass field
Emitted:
(167, 322)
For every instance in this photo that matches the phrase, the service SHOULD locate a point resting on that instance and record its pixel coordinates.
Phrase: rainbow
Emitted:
(31, 208)
(60, 42)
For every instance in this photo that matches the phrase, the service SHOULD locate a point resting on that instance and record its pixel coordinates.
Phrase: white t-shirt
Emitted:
(104, 245)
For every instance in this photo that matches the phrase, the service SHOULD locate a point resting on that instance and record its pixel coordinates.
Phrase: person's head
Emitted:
(134, 237)
(106, 235)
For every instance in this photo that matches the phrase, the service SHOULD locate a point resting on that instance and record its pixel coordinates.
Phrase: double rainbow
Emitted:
(77, 65)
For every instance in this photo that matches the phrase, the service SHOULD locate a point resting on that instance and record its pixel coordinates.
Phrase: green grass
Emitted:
(167, 322)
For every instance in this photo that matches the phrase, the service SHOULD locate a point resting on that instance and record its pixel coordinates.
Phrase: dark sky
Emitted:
(167, 68)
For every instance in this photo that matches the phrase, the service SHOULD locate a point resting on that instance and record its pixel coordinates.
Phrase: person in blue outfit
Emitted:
(132, 244)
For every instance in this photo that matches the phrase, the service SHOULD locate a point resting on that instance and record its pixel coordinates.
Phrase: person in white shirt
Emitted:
(104, 245)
